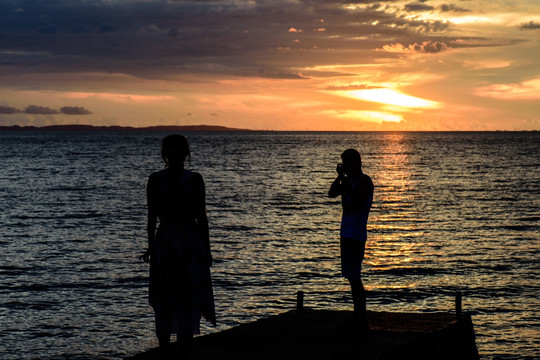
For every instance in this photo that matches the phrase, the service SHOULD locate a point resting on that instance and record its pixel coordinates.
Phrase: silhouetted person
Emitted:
(356, 190)
(179, 251)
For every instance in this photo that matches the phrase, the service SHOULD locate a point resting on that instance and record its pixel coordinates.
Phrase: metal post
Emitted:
(299, 302)
(458, 304)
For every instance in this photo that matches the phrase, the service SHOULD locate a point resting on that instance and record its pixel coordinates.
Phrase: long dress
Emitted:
(180, 288)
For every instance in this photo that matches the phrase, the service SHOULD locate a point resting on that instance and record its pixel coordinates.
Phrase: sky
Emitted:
(360, 65)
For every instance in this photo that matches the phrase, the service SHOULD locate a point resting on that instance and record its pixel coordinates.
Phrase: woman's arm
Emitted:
(200, 214)
(152, 217)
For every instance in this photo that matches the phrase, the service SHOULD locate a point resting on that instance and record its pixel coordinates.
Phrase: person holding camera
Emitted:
(356, 190)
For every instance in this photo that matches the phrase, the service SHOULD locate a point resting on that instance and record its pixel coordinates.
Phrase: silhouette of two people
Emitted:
(180, 289)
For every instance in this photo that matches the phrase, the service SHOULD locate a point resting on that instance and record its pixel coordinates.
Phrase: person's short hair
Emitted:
(352, 156)
(175, 147)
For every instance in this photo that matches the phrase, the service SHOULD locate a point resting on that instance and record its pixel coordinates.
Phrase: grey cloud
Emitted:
(47, 29)
(42, 110)
(418, 7)
(159, 38)
(452, 8)
(105, 28)
(80, 28)
(432, 47)
(531, 25)
(9, 110)
(74, 110)
(281, 75)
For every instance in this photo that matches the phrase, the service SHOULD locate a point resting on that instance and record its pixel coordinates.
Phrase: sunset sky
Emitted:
(272, 65)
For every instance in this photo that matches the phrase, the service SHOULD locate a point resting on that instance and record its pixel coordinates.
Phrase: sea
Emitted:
(452, 211)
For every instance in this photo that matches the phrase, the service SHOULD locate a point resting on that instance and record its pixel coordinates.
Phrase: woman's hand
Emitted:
(146, 256)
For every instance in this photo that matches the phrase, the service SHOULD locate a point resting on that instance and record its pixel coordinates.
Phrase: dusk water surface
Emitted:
(452, 212)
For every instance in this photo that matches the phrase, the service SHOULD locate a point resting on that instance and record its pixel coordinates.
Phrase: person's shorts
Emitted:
(352, 254)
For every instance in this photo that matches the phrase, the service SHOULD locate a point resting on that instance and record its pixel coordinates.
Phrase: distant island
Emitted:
(178, 128)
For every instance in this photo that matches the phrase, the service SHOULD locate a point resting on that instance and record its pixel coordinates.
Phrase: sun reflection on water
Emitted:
(393, 234)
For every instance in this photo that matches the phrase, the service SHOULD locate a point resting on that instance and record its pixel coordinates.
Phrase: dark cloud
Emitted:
(9, 110)
(41, 110)
(531, 25)
(429, 47)
(159, 38)
(74, 110)
(418, 7)
(105, 28)
(452, 8)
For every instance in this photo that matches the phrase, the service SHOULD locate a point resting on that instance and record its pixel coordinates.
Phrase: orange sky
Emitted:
(273, 65)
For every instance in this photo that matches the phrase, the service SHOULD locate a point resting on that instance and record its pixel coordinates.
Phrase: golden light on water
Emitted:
(390, 97)
(394, 244)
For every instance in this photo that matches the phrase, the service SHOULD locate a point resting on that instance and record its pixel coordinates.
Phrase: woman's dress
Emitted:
(180, 281)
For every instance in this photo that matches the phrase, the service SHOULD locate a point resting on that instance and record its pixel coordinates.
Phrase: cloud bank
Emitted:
(531, 25)
(431, 47)
(44, 110)
(158, 39)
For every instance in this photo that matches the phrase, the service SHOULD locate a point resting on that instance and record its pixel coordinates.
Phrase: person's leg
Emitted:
(359, 300)
(352, 256)
(164, 345)
(184, 342)
(357, 287)
(163, 333)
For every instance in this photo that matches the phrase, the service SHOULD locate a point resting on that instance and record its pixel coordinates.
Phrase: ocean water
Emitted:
(452, 212)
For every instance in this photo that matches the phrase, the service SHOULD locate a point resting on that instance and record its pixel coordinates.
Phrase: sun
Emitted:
(390, 97)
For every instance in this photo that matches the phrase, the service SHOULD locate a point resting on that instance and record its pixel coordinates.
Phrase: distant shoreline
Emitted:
(214, 128)
(121, 128)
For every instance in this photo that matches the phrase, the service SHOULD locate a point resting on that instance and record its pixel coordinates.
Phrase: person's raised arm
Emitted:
(336, 187)
(200, 214)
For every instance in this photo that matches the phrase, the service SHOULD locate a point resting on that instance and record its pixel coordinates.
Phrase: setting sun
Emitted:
(406, 65)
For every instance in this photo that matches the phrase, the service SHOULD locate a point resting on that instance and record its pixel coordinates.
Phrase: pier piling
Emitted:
(458, 304)
(299, 302)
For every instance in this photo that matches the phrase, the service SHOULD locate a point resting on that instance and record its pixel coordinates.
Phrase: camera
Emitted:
(340, 170)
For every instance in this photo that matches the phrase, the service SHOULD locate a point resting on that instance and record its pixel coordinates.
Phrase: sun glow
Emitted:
(390, 97)
(369, 116)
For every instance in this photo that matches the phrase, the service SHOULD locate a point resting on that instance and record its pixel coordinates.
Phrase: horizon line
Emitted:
(200, 128)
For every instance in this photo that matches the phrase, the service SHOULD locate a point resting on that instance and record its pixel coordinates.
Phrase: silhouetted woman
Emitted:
(179, 251)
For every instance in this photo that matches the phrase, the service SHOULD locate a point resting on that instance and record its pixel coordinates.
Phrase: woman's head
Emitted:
(174, 150)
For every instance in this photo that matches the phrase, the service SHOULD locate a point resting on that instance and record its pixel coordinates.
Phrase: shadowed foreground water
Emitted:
(452, 211)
